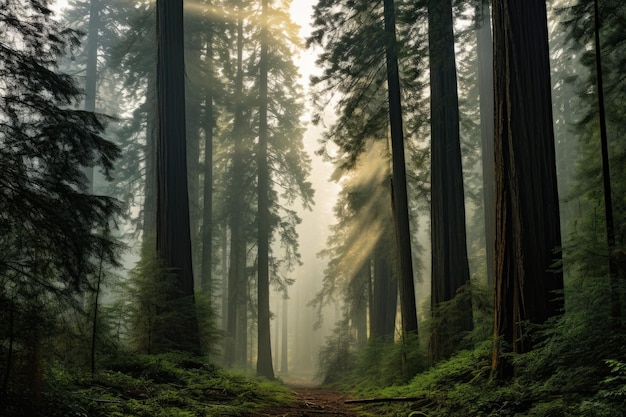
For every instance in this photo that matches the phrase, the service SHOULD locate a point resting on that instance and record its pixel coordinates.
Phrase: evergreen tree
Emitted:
(450, 268)
(353, 60)
(235, 348)
(264, 353)
(172, 232)
(53, 231)
(594, 29)
(399, 186)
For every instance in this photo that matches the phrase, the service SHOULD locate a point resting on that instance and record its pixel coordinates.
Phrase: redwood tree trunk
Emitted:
(399, 192)
(527, 208)
(385, 296)
(173, 233)
(450, 269)
(264, 344)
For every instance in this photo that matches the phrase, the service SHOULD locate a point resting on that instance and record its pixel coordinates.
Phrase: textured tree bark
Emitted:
(450, 269)
(173, 231)
(527, 208)
(264, 360)
(399, 192)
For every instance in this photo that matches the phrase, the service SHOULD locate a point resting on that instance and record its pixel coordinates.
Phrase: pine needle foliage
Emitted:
(53, 233)
(146, 307)
(337, 359)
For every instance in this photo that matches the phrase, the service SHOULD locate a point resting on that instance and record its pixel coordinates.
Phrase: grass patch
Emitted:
(170, 385)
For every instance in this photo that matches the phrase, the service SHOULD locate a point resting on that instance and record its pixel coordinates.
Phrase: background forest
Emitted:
(464, 246)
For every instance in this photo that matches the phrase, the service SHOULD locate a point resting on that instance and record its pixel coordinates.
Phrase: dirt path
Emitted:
(314, 402)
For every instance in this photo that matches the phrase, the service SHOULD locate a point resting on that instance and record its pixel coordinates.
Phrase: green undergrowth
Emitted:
(170, 385)
(462, 387)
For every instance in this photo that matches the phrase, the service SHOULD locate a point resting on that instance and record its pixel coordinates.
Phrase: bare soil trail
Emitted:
(314, 402)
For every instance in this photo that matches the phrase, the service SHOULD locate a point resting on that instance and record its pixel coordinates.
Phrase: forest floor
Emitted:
(313, 402)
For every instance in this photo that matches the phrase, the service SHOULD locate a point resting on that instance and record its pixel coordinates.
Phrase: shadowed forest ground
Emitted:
(311, 401)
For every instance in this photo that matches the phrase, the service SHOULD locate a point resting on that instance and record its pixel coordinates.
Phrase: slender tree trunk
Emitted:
(399, 192)
(241, 347)
(606, 175)
(207, 213)
(6, 377)
(91, 72)
(264, 348)
(94, 325)
(173, 226)
(193, 184)
(284, 352)
(360, 312)
(236, 276)
(527, 205)
(149, 204)
(450, 268)
(225, 273)
(484, 46)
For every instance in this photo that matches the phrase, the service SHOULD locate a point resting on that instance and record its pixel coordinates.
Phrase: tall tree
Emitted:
(450, 269)
(352, 37)
(173, 233)
(264, 354)
(91, 72)
(237, 273)
(606, 171)
(597, 33)
(527, 207)
(399, 185)
(52, 230)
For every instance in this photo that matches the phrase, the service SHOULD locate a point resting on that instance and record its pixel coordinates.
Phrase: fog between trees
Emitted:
(238, 195)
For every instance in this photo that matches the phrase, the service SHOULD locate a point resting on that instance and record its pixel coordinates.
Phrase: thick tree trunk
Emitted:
(527, 207)
(450, 269)
(264, 360)
(484, 47)
(173, 231)
(399, 192)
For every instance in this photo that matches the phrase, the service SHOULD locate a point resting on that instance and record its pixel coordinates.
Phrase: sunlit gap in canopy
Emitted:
(362, 231)
(226, 13)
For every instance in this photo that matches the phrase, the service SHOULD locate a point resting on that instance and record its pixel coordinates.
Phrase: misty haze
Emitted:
(311, 207)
